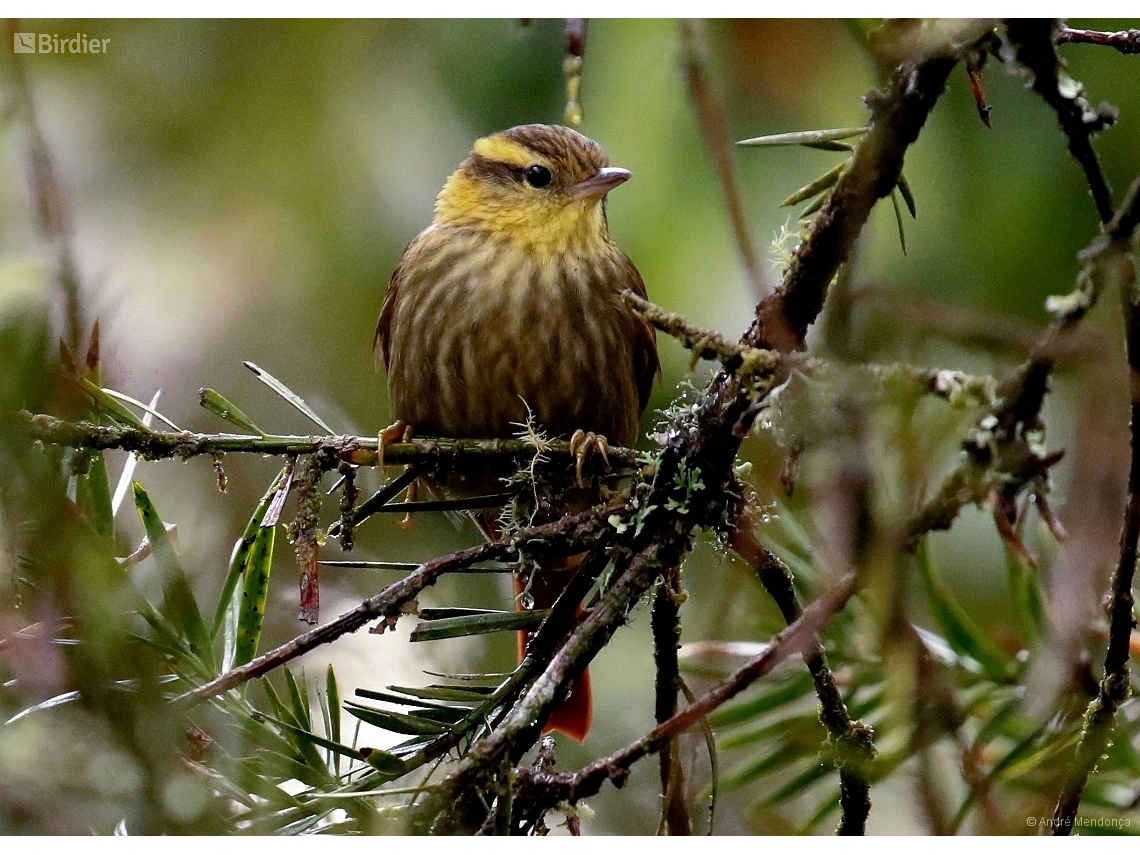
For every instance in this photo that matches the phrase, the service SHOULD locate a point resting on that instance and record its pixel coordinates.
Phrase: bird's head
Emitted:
(543, 186)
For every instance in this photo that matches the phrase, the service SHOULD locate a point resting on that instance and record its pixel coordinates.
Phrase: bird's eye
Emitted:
(537, 176)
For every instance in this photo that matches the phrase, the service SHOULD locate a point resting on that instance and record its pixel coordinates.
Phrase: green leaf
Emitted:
(1028, 607)
(793, 690)
(960, 631)
(824, 182)
(93, 495)
(395, 722)
(404, 700)
(383, 762)
(180, 606)
(477, 624)
(819, 202)
(107, 406)
(467, 694)
(289, 395)
(219, 405)
(827, 807)
(299, 696)
(311, 737)
(898, 218)
(830, 145)
(758, 767)
(146, 408)
(798, 784)
(908, 196)
(804, 730)
(333, 697)
(804, 137)
(254, 594)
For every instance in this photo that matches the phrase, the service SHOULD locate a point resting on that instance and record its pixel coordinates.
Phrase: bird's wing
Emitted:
(384, 324)
(646, 365)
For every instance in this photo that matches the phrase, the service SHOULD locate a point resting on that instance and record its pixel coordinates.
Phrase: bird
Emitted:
(507, 310)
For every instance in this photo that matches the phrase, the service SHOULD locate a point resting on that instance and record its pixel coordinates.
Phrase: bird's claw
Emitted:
(582, 443)
(398, 431)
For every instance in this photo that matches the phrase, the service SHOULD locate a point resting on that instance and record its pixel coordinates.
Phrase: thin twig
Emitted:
(714, 132)
(665, 623)
(566, 536)
(1033, 41)
(852, 738)
(1125, 41)
(1115, 687)
(799, 637)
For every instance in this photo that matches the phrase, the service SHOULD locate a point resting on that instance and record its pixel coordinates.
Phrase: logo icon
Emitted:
(24, 42)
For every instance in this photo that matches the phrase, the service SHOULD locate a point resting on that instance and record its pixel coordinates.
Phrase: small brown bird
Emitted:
(508, 307)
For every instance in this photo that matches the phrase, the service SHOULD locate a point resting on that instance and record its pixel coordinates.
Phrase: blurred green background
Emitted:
(242, 190)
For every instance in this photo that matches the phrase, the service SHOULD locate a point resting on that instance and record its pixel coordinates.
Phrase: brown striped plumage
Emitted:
(509, 301)
(480, 318)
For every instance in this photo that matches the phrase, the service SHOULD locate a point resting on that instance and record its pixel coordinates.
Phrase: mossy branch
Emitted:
(357, 450)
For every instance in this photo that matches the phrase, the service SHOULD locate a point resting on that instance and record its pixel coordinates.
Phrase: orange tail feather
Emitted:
(574, 715)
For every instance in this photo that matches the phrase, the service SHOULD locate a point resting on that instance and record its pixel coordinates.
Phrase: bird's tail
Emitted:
(576, 712)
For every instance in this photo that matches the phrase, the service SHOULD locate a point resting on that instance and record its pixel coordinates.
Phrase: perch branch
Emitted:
(359, 450)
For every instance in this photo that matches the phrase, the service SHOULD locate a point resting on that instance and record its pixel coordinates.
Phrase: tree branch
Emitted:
(565, 537)
(1033, 42)
(1116, 261)
(1125, 41)
(358, 450)
(799, 637)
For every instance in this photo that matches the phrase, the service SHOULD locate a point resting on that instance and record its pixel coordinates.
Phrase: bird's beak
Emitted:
(600, 183)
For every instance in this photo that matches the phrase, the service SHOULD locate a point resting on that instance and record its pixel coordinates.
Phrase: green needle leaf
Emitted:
(180, 606)
(240, 554)
(961, 633)
(107, 405)
(289, 395)
(395, 722)
(477, 624)
(908, 196)
(219, 405)
(93, 495)
(898, 218)
(146, 408)
(824, 182)
(383, 762)
(254, 593)
(804, 137)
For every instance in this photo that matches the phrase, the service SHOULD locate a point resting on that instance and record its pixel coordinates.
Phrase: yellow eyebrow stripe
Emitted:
(504, 150)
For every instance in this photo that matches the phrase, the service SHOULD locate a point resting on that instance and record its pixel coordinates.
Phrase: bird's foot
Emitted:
(582, 443)
(398, 431)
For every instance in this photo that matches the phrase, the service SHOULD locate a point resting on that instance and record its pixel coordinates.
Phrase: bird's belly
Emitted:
(541, 349)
